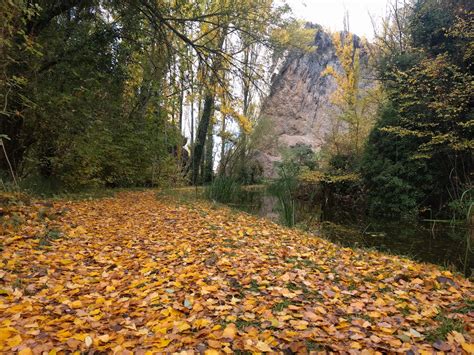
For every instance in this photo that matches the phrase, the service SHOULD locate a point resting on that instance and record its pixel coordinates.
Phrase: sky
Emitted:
(330, 13)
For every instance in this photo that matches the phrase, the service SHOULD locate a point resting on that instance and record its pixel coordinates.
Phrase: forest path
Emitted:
(140, 273)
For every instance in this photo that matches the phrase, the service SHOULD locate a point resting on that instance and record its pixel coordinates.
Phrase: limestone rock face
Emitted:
(298, 109)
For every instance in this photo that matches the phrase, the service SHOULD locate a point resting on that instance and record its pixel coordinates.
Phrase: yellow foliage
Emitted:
(356, 106)
(190, 274)
(314, 177)
(295, 35)
(243, 121)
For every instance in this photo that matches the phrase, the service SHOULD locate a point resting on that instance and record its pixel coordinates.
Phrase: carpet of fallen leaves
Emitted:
(139, 274)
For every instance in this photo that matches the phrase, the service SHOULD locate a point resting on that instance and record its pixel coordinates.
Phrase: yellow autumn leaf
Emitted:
(230, 331)
(374, 314)
(469, 347)
(14, 341)
(387, 330)
(182, 326)
(263, 346)
(104, 338)
(6, 332)
(80, 336)
(379, 302)
(63, 334)
(162, 343)
(355, 345)
(201, 323)
(76, 304)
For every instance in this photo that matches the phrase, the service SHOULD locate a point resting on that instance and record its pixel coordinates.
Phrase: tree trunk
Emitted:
(201, 135)
(208, 109)
(223, 143)
(208, 171)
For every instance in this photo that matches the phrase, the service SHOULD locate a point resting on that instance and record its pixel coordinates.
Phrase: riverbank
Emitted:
(139, 273)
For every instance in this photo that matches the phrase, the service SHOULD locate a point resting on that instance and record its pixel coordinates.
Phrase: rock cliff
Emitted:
(298, 109)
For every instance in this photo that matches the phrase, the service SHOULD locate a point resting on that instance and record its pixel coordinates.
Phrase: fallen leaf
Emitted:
(14, 341)
(76, 304)
(263, 346)
(88, 341)
(230, 331)
(145, 272)
(104, 338)
(468, 347)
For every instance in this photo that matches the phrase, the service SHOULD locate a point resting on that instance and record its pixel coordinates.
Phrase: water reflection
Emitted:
(448, 246)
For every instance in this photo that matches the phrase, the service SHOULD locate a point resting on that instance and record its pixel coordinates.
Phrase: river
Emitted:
(450, 246)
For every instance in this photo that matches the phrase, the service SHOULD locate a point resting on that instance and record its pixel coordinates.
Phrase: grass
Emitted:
(224, 190)
(279, 307)
(49, 236)
(184, 195)
(468, 307)
(446, 326)
(292, 286)
(18, 283)
(15, 221)
(314, 346)
(254, 287)
(242, 324)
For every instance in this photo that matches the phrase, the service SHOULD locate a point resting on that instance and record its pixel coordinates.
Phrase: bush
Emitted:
(284, 189)
(396, 183)
(223, 189)
(249, 173)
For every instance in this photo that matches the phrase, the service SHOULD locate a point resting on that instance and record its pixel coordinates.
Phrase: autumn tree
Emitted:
(419, 156)
(95, 92)
(355, 102)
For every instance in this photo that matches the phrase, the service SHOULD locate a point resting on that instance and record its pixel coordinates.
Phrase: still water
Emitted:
(449, 246)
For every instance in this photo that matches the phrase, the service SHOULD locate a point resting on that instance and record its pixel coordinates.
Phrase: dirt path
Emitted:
(137, 274)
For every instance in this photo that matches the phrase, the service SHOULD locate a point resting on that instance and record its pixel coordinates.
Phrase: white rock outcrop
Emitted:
(298, 109)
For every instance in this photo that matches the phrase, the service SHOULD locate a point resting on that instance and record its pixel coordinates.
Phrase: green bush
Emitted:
(284, 189)
(223, 189)
(396, 183)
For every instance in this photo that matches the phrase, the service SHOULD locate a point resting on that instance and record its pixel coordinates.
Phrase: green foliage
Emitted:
(430, 21)
(445, 327)
(246, 169)
(49, 236)
(396, 184)
(302, 156)
(354, 101)
(419, 155)
(80, 112)
(223, 189)
(463, 208)
(284, 188)
(93, 93)
(467, 307)
(281, 306)
(249, 173)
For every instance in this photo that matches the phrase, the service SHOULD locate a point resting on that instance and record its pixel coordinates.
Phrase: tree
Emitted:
(83, 94)
(95, 92)
(423, 141)
(355, 102)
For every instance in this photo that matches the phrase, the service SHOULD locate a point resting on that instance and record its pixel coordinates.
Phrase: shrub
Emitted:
(223, 189)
